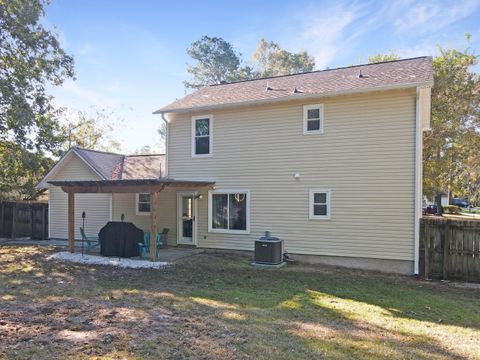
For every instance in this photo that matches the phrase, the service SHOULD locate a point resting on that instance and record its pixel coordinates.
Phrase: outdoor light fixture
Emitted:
(199, 197)
(296, 175)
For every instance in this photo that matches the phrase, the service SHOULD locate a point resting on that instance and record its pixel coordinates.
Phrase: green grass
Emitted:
(217, 307)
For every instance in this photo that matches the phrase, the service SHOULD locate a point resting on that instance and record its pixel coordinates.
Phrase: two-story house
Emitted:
(329, 161)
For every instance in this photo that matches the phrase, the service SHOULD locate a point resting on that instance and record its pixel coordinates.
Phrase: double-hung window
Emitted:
(319, 204)
(143, 204)
(313, 119)
(229, 211)
(202, 136)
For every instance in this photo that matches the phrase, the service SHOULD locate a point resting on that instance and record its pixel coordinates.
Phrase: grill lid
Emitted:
(267, 237)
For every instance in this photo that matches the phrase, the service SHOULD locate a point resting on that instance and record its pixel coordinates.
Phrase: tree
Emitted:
(217, 61)
(452, 147)
(30, 58)
(451, 154)
(89, 130)
(393, 55)
(144, 150)
(21, 171)
(271, 60)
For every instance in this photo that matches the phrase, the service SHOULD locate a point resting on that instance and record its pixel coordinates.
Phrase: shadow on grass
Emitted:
(218, 307)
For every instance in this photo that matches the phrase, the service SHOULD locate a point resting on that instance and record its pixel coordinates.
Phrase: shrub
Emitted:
(451, 209)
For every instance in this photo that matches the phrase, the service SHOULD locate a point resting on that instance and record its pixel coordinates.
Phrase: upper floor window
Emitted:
(143, 204)
(202, 136)
(319, 204)
(313, 119)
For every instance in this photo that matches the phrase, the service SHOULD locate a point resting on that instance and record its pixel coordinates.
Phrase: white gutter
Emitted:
(166, 145)
(292, 97)
(418, 180)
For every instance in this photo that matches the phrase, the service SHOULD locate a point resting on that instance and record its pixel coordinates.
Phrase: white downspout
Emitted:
(166, 145)
(418, 179)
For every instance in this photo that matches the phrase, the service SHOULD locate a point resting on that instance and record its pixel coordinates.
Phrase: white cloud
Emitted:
(324, 37)
(73, 94)
(426, 16)
(114, 86)
(426, 48)
(332, 30)
(85, 49)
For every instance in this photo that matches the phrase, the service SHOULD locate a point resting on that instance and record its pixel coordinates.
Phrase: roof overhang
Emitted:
(292, 97)
(125, 186)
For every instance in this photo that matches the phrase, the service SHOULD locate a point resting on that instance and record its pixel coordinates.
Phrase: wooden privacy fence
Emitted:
(450, 249)
(23, 219)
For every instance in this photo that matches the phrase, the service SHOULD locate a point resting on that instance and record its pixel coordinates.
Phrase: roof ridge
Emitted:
(317, 71)
(97, 151)
(137, 155)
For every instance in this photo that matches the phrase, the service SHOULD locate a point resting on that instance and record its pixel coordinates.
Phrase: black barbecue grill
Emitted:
(120, 239)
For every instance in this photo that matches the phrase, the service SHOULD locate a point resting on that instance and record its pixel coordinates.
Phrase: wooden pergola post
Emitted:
(71, 222)
(153, 225)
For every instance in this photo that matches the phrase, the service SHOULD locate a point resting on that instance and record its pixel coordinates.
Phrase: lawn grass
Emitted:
(215, 306)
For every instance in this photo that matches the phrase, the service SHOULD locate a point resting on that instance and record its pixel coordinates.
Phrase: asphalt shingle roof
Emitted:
(103, 162)
(113, 166)
(368, 77)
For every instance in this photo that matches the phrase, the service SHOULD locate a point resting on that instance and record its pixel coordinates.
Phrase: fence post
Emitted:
(32, 223)
(43, 223)
(446, 249)
(14, 221)
(2, 228)
(427, 253)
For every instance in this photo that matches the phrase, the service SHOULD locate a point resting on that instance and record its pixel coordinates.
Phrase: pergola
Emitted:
(152, 186)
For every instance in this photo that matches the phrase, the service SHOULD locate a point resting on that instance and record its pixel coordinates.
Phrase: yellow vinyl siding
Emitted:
(96, 206)
(365, 156)
(166, 218)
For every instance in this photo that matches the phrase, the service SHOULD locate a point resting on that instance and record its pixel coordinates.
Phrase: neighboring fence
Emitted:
(450, 249)
(23, 219)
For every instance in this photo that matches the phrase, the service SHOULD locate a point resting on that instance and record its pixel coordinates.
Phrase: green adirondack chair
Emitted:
(144, 248)
(90, 242)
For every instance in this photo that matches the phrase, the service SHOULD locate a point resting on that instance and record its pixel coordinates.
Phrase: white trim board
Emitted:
(418, 181)
(320, 108)
(137, 201)
(228, 191)
(312, 193)
(195, 217)
(210, 136)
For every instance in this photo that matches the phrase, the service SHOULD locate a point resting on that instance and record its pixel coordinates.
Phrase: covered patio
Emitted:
(152, 186)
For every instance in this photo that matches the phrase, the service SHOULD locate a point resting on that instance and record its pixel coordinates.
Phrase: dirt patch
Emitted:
(215, 306)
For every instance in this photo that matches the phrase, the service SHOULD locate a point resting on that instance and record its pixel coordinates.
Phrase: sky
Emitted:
(130, 56)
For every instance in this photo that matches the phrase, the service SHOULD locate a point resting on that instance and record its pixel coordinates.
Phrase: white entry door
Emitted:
(186, 213)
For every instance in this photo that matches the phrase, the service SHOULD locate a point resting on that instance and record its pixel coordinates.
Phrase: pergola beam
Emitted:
(152, 186)
(153, 225)
(112, 189)
(124, 186)
(71, 222)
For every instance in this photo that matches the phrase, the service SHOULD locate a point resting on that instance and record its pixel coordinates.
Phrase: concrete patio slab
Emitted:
(169, 254)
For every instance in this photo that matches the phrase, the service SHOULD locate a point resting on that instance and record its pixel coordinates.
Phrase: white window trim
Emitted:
(210, 134)
(228, 191)
(305, 119)
(311, 203)
(137, 200)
